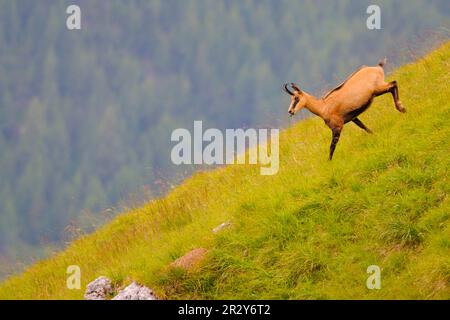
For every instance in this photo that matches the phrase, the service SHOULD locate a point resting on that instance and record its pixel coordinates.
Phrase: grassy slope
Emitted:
(308, 232)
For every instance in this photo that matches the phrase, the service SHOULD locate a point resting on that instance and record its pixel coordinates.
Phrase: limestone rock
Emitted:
(222, 226)
(98, 289)
(135, 292)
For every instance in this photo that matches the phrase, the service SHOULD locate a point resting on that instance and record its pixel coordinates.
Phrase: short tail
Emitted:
(382, 62)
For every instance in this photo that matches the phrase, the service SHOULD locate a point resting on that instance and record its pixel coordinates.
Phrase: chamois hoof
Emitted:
(401, 108)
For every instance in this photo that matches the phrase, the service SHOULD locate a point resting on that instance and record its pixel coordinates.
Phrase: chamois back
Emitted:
(342, 84)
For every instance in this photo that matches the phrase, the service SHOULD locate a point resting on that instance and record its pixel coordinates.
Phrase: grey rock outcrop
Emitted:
(135, 292)
(98, 289)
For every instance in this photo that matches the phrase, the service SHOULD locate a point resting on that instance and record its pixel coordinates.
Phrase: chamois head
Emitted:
(298, 100)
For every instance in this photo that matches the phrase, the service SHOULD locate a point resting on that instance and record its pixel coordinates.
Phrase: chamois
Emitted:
(348, 100)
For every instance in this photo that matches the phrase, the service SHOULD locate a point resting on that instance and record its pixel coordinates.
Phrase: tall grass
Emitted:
(309, 232)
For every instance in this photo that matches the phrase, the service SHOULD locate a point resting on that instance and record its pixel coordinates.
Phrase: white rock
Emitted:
(98, 289)
(220, 227)
(135, 292)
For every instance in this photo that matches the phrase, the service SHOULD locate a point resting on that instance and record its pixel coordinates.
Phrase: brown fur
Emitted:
(348, 100)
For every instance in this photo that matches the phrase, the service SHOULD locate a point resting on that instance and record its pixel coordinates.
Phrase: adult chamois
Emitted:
(347, 101)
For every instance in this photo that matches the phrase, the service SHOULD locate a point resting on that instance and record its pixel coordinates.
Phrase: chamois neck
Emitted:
(316, 106)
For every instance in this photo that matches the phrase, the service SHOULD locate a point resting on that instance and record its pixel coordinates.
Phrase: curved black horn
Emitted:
(296, 88)
(287, 90)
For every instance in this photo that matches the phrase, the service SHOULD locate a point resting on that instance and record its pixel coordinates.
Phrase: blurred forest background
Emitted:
(86, 116)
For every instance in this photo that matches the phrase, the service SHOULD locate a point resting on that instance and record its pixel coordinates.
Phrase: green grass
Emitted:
(309, 232)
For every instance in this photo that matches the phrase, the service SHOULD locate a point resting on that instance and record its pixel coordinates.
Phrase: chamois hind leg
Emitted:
(394, 91)
(334, 140)
(392, 87)
(361, 125)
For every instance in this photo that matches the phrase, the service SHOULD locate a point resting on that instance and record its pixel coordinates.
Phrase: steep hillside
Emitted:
(309, 232)
(82, 112)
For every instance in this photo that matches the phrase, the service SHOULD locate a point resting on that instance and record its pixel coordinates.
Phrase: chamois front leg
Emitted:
(361, 125)
(334, 140)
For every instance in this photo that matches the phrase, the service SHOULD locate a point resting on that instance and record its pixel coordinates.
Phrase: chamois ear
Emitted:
(287, 90)
(296, 88)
